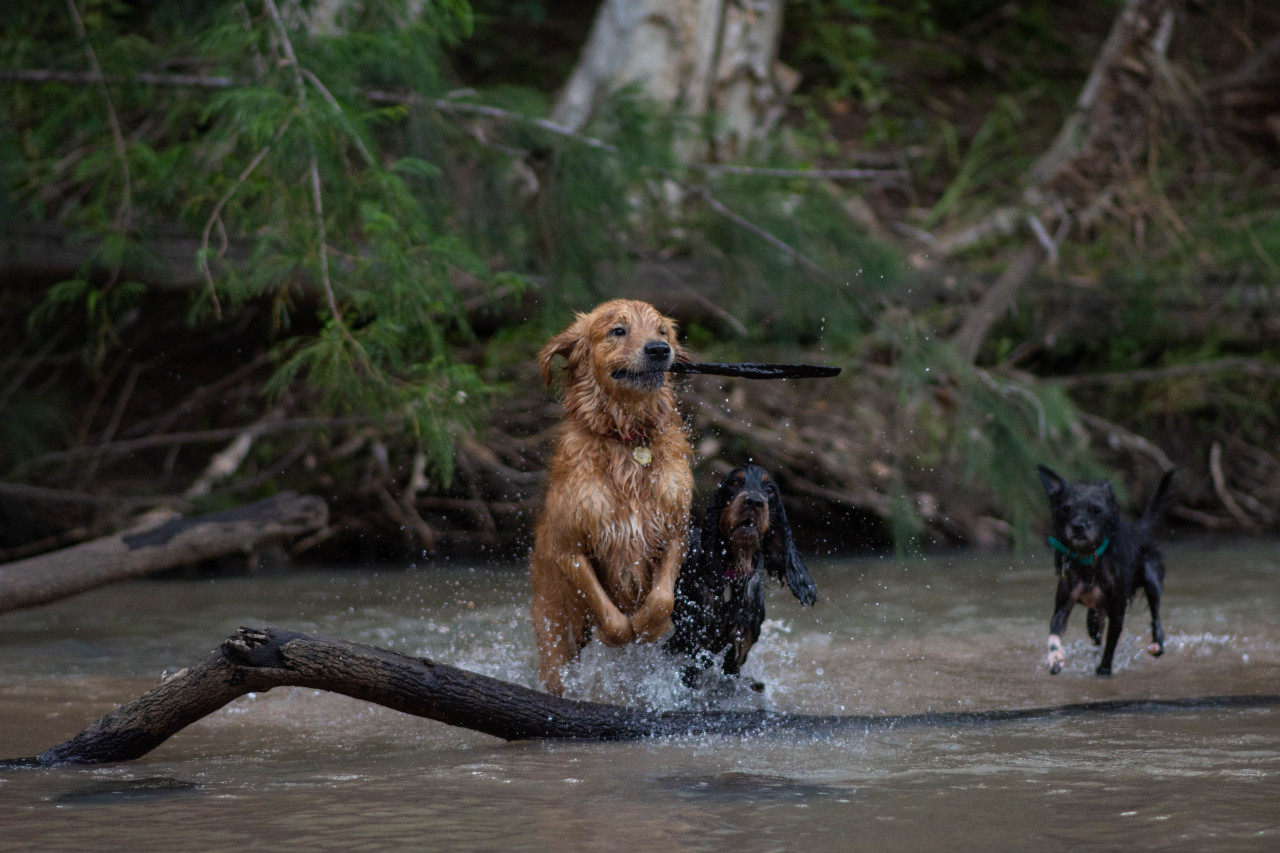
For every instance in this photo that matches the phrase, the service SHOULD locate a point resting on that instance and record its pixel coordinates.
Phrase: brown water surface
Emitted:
(948, 632)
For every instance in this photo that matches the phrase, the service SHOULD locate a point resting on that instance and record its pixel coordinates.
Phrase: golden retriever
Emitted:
(611, 536)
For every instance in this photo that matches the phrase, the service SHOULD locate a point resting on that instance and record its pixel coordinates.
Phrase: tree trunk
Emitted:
(48, 577)
(697, 57)
(256, 660)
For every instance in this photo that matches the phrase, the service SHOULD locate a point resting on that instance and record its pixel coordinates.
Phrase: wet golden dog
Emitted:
(611, 536)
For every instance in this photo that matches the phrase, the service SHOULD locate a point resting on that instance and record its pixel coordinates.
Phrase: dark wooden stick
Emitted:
(757, 370)
(258, 659)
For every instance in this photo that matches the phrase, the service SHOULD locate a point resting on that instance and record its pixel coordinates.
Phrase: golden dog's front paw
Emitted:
(653, 619)
(616, 630)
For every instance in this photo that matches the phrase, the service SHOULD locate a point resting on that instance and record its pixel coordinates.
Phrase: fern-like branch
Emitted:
(124, 211)
(317, 190)
(215, 216)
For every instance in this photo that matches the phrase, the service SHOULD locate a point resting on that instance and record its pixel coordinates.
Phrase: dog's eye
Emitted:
(662, 330)
(618, 331)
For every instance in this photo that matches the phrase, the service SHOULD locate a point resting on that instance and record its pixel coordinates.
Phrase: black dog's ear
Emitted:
(726, 490)
(709, 547)
(1053, 484)
(1112, 503)
(781, 559)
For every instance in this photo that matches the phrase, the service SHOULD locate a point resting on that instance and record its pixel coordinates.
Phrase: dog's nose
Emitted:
(753, 500)
(657, 350)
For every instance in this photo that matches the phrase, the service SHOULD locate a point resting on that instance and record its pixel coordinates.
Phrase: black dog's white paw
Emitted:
(1056, 655)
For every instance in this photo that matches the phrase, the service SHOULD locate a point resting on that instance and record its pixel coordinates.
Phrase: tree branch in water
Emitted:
(258, 659)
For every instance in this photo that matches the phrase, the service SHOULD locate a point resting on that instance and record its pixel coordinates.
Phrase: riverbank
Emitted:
(906, 447)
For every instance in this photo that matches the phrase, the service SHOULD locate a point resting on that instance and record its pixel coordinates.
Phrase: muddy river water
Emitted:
(953, 631)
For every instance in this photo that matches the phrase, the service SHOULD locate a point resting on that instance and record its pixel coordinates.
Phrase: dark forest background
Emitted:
(250, 247)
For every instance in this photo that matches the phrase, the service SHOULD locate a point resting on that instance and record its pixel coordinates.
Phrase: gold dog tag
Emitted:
(642, 454)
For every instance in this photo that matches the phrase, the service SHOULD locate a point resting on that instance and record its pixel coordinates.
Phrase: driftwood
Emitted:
(177, 542)
(256, 660)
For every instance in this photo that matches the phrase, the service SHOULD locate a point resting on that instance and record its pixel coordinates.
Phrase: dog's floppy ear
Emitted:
(710, 551)
(563, 344)
(1053, 484)
(781, 559)
(712, 546)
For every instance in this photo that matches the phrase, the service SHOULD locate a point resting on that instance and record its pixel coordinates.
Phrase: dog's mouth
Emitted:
(1083, 545)
(648, 379)
(744, 542)
(647, 369)
(1083, 542)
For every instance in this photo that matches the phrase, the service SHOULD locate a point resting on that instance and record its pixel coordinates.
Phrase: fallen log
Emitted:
(177, 542)
(258, 659)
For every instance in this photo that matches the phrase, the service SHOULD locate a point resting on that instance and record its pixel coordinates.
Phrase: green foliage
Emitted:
(990, 432)
(594, 210)
(839, 37)
(360, 277)
(292, 160)
(885, 58)
(781, 298)
(991, 165)
(422, 211)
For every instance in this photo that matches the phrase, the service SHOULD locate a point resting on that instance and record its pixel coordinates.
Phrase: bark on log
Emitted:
(180, 541)
(256, 660)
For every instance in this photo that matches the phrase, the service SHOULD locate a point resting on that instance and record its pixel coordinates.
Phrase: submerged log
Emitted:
(177, 542)
(258, 659)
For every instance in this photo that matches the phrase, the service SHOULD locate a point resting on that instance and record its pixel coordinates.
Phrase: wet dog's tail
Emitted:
(1159, 501)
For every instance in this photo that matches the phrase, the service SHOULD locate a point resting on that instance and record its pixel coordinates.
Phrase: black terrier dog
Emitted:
(1102, 562)
(719, 603)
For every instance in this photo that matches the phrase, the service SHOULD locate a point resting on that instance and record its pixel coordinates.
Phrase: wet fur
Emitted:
(720, 591)
(612, 533)
(1084, 516)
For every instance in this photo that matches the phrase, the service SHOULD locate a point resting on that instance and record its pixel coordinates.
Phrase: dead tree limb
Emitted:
(1224, 492)
(968, 339)
(180, 541)
(1134, 25)
(258, 659)
(1119, 437)
(1104, 110)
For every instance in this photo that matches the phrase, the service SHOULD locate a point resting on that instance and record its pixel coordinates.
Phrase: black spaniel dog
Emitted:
(720, 590)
